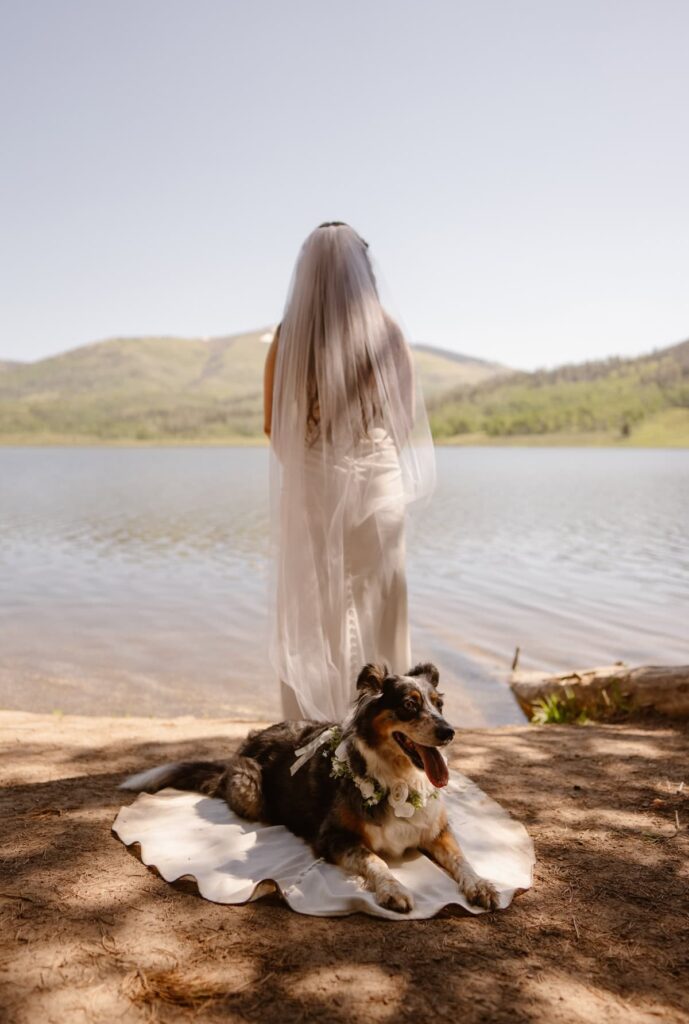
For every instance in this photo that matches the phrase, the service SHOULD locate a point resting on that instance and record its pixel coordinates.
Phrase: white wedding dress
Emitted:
(342, 611)
(351, 452)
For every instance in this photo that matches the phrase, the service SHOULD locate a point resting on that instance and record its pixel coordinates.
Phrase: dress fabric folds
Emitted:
(343, 612)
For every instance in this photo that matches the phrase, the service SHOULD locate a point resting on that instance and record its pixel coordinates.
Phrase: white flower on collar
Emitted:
(399, 791)
(403, 800)
(398, 798)
(366, 788)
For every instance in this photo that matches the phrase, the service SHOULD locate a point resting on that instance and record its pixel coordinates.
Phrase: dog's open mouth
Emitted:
(426, 759)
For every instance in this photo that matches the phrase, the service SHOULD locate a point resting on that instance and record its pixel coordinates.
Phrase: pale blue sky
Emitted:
(519, 167)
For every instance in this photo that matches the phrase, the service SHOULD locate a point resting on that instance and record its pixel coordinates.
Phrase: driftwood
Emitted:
(610, 691)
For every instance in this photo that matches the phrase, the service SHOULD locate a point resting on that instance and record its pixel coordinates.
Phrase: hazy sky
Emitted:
(520, 168)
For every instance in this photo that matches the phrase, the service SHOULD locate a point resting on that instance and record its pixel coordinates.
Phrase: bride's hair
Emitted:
(339, 343)
(341, 224)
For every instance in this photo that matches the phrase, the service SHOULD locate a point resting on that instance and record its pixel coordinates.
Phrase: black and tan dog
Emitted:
(378, 794)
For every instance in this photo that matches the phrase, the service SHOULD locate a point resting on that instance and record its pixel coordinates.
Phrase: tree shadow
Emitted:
(91, 932)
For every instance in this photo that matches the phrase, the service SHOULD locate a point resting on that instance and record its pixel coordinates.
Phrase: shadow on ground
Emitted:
(89, 933)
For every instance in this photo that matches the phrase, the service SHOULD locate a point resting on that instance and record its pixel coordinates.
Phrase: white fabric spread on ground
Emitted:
(234, 860)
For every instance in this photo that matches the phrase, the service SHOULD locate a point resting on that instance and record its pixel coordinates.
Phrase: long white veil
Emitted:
(351, 451)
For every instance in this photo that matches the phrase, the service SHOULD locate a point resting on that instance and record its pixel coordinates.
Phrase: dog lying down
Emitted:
(368, 788)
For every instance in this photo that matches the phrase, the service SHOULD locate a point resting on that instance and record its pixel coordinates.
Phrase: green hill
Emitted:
(630, 401)
(442, 371)
(199, 390)
(166, 389)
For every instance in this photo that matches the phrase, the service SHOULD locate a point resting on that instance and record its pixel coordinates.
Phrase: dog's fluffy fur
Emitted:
(395, 734)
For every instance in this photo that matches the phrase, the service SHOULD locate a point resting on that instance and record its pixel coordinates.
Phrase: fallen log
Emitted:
(611, 691)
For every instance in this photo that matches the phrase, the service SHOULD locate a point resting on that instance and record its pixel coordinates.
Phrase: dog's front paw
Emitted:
(393, 896)
(480, 892)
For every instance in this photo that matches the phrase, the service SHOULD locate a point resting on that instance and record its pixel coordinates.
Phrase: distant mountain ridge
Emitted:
(167, 388)
(456, 357)
(186, 390)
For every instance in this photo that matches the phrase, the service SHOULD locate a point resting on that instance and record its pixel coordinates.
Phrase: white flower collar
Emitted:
(403, 800)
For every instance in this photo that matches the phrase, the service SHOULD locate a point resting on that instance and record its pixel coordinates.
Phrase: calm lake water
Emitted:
(135, 581)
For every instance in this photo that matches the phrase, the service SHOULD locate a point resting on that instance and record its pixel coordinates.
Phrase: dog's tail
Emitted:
(197, 776)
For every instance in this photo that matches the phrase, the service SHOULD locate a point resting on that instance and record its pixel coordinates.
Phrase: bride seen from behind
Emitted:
(350, 452)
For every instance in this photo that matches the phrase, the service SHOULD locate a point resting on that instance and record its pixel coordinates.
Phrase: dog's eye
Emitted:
(410, 705)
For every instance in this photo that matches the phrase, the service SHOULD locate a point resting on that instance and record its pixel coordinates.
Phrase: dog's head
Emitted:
(404, 712)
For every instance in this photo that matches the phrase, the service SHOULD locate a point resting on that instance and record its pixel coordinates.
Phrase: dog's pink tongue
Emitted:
(434, 764)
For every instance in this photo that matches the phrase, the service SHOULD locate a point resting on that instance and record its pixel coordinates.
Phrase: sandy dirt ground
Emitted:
(90, 934)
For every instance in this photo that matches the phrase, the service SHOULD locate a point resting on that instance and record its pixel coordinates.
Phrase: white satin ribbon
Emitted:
(304, 753)
(307, 751)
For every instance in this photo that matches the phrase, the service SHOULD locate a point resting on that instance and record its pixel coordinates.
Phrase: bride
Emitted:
(350, 452)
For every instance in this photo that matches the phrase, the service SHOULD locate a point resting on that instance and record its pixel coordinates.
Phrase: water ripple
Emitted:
(147, 570)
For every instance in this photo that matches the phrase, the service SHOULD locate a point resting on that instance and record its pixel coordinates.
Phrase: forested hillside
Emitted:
(646, 398)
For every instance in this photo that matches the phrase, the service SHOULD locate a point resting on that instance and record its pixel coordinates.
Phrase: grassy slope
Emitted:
(174, 390)
(631, 401)
(165, 389)
(138, 388)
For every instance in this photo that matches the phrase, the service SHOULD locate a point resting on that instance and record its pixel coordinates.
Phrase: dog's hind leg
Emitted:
(347, 851)
(242, 787)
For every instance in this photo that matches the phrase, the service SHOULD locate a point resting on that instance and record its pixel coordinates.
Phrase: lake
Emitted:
(135, 580)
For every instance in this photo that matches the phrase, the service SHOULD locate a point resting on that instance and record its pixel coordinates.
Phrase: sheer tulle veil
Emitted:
(351, 449)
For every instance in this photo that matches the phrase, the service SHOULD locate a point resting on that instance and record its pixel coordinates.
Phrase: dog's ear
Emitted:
(428, 670)
(371, 678)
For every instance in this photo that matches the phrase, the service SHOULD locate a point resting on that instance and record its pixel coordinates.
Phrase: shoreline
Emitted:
(90, 933)
(460, 441)
(61, 698)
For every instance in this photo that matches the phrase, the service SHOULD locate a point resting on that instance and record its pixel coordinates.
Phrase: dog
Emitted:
(359, 792)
